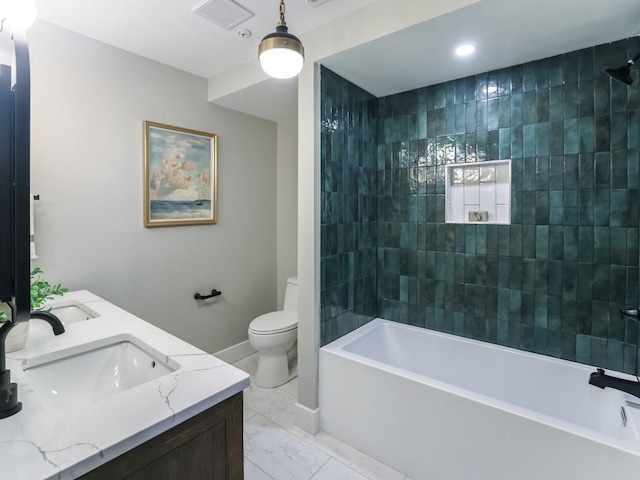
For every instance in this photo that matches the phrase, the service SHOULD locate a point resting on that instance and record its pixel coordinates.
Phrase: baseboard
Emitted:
(307, 419)
(235, 352)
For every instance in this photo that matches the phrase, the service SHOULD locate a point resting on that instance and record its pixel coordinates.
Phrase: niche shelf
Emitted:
(478, 192)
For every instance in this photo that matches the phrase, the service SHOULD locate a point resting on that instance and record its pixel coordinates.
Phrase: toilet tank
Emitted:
(291, 294)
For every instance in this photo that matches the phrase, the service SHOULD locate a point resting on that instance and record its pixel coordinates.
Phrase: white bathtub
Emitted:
(440, 407)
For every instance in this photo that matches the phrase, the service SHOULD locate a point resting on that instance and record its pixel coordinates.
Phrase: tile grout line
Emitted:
(323, 465)
(256, 466)
(307, 441)
(289, 433)
(328, 451)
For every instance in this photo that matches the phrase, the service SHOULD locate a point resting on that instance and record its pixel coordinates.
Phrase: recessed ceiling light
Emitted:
(464, 50)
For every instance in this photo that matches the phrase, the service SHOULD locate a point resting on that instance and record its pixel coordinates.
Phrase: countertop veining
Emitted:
(43, 442)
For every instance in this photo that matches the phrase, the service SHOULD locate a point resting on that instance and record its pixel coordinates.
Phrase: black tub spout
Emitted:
(630, 312)
(602, 380)
(51, 319)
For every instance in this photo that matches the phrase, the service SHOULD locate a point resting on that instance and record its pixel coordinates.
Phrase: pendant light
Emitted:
(281, 54)
(20, 14)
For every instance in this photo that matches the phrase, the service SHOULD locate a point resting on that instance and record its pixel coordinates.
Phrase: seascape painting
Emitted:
(180, 176)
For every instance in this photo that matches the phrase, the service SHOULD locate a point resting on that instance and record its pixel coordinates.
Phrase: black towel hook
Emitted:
(214, 293)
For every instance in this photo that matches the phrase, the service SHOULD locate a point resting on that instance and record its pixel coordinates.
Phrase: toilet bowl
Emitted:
(273, 335)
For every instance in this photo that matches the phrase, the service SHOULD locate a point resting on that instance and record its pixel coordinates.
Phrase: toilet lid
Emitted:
(274, 322)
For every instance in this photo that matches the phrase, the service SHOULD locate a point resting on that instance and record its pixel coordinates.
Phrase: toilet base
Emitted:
(273, 370)
(274, 352)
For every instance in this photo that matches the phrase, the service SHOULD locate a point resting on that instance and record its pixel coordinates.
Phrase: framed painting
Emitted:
(180, 176)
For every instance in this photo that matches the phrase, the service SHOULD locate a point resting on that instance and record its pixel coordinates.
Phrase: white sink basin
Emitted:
(72, 311)
(92, 372)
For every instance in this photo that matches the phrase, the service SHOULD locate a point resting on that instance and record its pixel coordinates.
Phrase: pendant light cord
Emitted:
(282, 23)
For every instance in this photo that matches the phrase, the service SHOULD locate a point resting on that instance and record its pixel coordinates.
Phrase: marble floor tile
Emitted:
(275, 449)
(355, 459)
(247, 412)
(279, 453)
(248, 364)
(251, 472)
(291, 387)
(252, 385)
(276, 405)
(334, 470)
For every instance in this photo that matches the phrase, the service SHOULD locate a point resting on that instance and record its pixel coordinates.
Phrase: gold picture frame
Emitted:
(180, 176)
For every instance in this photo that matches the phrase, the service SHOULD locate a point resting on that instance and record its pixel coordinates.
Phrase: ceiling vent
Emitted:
(225, 13)
(316, 3)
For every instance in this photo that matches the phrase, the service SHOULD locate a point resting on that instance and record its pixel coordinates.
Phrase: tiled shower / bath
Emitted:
(553, 280)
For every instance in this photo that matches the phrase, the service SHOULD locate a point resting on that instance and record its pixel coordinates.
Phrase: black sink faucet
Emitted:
(602, 380)
(51, 319)
(9, 404)
(15, 100)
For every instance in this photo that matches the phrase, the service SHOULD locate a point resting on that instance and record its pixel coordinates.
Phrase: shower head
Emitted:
(623, 73)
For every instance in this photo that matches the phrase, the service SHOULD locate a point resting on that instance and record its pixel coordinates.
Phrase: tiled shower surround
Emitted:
(349, 207)
(554, 280)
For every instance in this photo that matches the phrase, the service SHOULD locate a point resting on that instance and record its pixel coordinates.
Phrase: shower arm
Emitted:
(633, 61)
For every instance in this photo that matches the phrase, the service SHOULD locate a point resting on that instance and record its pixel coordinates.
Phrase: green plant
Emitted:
(41, 291)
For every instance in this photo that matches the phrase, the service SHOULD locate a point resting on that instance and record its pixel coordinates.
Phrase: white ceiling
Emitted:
(167, 31)
(506, 32)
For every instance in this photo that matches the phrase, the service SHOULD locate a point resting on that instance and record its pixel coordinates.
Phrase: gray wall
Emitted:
(287, 198)
(89, 101)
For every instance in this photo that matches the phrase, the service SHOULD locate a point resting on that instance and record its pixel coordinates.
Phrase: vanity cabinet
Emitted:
(205, 447)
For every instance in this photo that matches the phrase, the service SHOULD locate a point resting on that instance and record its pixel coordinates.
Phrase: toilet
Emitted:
(273, 335)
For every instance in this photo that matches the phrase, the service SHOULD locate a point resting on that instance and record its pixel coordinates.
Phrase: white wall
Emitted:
(307, 414)
(287, 204)
(89, 101)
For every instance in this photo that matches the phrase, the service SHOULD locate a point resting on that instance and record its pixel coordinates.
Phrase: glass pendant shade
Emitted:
(281, 54)
(21, 13)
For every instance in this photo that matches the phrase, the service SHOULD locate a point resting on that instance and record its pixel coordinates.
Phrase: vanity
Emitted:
(114, 397)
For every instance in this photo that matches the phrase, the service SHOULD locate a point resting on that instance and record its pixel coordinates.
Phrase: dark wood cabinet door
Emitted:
(205, 447)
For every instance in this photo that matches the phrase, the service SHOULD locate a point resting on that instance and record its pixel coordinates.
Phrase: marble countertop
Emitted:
(46, 442)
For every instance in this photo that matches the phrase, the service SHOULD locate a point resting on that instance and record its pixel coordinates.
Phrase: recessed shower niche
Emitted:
(478, 192)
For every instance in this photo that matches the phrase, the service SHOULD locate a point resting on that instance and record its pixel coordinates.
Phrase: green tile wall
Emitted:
(348, 207)
(553, 281)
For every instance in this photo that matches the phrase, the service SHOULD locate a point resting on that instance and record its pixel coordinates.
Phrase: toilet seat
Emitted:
(274, 322)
